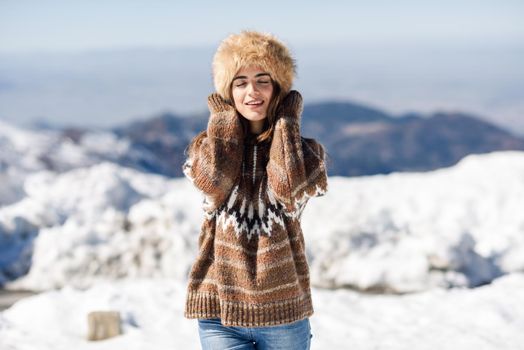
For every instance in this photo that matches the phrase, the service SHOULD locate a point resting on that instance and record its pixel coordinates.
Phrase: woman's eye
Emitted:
(261, 82)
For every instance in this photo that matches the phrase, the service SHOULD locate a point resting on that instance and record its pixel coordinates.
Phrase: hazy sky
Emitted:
(401, 55)
(79, 25)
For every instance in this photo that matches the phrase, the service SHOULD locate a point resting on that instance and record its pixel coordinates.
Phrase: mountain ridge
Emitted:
(359, 140)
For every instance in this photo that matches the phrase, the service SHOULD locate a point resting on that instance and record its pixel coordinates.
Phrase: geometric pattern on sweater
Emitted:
(259, 216)
(246, 219)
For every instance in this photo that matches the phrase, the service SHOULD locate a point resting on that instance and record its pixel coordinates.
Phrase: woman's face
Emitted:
(252, 90)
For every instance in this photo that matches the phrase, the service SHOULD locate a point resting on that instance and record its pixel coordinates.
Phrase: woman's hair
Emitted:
(269, 121)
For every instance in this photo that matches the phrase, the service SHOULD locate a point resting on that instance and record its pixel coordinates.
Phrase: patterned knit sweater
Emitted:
(251, 269)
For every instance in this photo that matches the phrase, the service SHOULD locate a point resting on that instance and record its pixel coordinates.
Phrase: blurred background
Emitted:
(420, 106)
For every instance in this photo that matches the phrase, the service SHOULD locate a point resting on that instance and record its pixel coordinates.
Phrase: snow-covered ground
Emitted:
(128, 239)
(488, 317)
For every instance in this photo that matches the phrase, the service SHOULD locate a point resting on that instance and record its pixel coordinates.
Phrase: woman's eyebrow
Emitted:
(256, 76)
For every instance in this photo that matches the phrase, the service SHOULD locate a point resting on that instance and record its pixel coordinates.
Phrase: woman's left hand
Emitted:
(291, 106)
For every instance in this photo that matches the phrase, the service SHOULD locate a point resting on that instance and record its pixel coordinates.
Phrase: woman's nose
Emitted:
(252, 88)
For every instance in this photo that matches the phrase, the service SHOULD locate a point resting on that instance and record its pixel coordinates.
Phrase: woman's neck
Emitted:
(256, 126)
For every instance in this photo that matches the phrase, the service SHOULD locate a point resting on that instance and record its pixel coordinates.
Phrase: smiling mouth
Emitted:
(255, 103)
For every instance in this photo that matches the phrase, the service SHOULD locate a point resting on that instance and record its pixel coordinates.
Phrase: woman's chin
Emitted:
(254, 118)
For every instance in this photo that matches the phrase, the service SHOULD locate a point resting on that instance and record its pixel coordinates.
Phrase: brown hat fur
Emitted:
(252, 48)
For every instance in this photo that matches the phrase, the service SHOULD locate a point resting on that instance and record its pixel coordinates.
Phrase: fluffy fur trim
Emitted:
(252, 48)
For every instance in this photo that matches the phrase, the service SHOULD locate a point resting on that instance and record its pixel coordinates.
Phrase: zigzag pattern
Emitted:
(240, 213)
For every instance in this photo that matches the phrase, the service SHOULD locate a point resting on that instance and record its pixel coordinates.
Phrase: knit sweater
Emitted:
(252, 269)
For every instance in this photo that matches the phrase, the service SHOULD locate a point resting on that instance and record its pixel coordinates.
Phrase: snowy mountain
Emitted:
(454, 227)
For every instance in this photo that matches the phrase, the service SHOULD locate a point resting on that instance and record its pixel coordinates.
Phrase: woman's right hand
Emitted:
(217, 104)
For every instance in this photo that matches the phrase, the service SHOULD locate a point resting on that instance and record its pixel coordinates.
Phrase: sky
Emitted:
(27, 26)
(108, 62)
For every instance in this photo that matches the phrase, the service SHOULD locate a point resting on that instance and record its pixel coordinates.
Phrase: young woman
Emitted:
(249, 286)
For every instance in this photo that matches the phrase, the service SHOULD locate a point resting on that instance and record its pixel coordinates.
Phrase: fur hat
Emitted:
(252, 48)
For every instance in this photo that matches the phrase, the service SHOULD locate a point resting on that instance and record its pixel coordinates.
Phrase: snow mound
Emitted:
(101, 222)
(456, 227)
(24, 152)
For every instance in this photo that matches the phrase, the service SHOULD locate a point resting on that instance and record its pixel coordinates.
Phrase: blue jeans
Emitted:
(292, 336)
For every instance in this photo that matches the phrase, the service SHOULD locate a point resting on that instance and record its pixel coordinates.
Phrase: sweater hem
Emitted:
(202, 305)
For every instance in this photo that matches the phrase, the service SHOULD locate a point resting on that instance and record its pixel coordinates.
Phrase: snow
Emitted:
(458, 226)
(404, 232)
(24, 152)
(99, 235)
(100, 222)
(488, 317)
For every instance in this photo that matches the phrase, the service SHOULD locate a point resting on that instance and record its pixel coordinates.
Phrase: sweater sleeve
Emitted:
(296, 169)
(214, 157)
